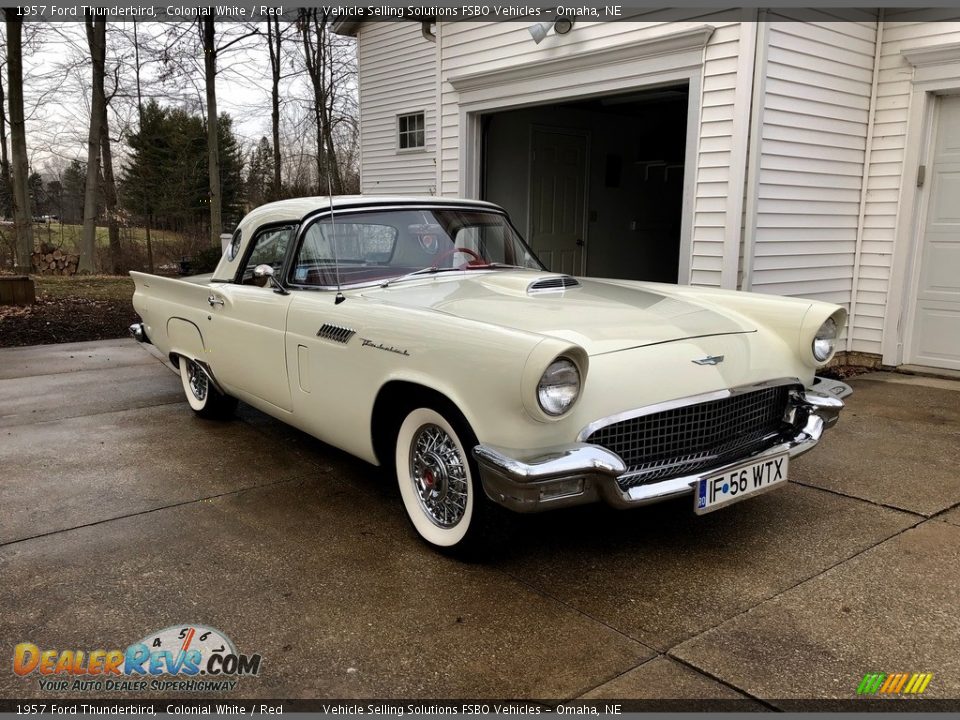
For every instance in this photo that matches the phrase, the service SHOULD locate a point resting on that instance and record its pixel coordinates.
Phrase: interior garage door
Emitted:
(936, 330)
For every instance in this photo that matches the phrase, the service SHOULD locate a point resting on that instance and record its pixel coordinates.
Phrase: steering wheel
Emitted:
(477, 258)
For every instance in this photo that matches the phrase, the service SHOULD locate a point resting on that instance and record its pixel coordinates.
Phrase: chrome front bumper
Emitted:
(582, 473)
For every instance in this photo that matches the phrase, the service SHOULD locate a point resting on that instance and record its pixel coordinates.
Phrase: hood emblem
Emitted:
(709, 360)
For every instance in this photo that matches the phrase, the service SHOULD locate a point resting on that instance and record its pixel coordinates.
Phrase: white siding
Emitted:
(815, 106)
(894, 89)
(490, 46)
(397, 76)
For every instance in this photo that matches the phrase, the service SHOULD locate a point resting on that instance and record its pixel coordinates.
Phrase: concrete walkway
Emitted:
(124, 514)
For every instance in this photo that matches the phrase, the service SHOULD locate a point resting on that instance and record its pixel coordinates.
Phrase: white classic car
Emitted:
(423, 335)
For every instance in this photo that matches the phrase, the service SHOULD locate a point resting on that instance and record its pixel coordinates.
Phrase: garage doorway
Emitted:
(596, 186)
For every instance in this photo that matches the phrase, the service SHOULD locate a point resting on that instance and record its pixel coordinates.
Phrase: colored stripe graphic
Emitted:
(894, 684)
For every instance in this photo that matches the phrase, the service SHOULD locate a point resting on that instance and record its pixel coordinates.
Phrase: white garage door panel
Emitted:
(937, 333)
(941, 269)
(936, 327)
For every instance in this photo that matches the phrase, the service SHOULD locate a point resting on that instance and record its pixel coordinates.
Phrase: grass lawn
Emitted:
(91, 287)
(68, 236)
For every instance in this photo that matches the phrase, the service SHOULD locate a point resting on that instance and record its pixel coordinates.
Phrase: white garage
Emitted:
(816, 156)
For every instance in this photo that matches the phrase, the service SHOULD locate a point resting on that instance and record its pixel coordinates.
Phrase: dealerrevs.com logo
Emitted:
(181, 658)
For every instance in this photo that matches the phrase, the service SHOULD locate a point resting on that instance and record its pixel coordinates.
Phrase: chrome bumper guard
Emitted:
(581, 473)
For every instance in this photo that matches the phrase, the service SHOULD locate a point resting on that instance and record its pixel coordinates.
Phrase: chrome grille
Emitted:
(684, 440)
(335, 333)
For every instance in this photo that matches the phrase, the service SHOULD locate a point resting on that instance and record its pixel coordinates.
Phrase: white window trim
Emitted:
(396, 125)
(936, 71)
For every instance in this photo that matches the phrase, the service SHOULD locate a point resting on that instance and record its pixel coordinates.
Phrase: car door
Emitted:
(245, 342)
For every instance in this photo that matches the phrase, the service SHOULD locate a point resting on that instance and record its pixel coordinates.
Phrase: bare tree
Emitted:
(213, 150)
(96, 39)
(4, 156)
(275, 43)
(109, 184)
(329, 65)
(211, 53)
(21, 200)
(147, 220)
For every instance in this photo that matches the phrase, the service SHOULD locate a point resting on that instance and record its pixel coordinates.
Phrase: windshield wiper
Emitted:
(422, 271)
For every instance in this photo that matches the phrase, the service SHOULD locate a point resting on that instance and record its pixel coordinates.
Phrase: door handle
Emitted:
(214, 300)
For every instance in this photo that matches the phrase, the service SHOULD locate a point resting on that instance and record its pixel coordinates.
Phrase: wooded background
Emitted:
(116, 126)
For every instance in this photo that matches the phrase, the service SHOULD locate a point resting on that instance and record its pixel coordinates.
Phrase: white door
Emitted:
(558, 196)
(936, 327)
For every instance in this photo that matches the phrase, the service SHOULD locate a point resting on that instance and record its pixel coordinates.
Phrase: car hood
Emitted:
(599, 315)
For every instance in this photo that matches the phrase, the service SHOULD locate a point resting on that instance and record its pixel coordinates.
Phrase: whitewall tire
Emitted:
(436, 479)
(204, 398)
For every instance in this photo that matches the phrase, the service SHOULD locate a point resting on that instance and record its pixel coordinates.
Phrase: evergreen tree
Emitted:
(165, 178)
(260, 175)
(74, 178)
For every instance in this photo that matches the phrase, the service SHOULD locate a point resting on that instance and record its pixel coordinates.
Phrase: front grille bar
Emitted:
(689, 438)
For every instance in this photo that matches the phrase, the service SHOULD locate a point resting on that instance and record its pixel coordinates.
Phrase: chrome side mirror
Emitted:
(263, 274)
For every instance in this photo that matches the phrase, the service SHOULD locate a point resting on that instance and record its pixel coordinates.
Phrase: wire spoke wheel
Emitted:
(439, 476)
(203, 395)
(435, 477)
(199, 384)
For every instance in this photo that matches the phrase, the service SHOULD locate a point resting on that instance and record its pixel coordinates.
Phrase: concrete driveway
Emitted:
(122, 514)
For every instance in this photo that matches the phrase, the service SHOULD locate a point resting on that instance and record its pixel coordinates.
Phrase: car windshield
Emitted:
(391, 245)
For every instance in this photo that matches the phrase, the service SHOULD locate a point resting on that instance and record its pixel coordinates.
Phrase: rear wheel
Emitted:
(204, 398)
(438, 480)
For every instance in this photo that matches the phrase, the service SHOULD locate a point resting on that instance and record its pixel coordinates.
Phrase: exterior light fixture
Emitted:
(561, 26)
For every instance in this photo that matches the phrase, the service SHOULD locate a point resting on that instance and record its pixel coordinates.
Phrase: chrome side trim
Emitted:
(336, 333)
(682, 402)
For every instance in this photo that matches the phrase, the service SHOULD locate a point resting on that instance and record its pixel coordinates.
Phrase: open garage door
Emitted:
(595, 186)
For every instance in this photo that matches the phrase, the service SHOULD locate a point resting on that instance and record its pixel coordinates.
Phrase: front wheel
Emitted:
(438, 483)
(204, 398)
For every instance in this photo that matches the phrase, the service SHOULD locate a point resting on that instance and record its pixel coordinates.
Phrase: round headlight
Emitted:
(825, 340)
(559, 387)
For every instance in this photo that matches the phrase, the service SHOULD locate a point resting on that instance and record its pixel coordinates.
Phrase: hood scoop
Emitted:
(558, 283)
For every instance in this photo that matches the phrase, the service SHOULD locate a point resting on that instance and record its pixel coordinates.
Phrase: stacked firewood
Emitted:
(54, 261)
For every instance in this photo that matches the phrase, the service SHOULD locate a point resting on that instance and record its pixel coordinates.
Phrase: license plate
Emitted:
(740, 482)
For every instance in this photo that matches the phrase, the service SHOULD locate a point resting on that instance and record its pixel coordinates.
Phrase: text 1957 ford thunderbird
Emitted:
(423, 335)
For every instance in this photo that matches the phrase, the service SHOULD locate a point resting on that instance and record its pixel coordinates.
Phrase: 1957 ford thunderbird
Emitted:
(423, 335)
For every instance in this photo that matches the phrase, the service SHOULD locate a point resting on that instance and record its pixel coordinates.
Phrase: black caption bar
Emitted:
(456, 708)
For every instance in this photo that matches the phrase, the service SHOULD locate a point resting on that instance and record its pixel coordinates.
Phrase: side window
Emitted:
(359, 247)
(269, 248)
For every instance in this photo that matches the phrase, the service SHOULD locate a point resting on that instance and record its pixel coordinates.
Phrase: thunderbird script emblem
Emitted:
(709, 360)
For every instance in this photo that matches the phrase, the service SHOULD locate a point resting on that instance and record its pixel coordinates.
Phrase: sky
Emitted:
(57, 77)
